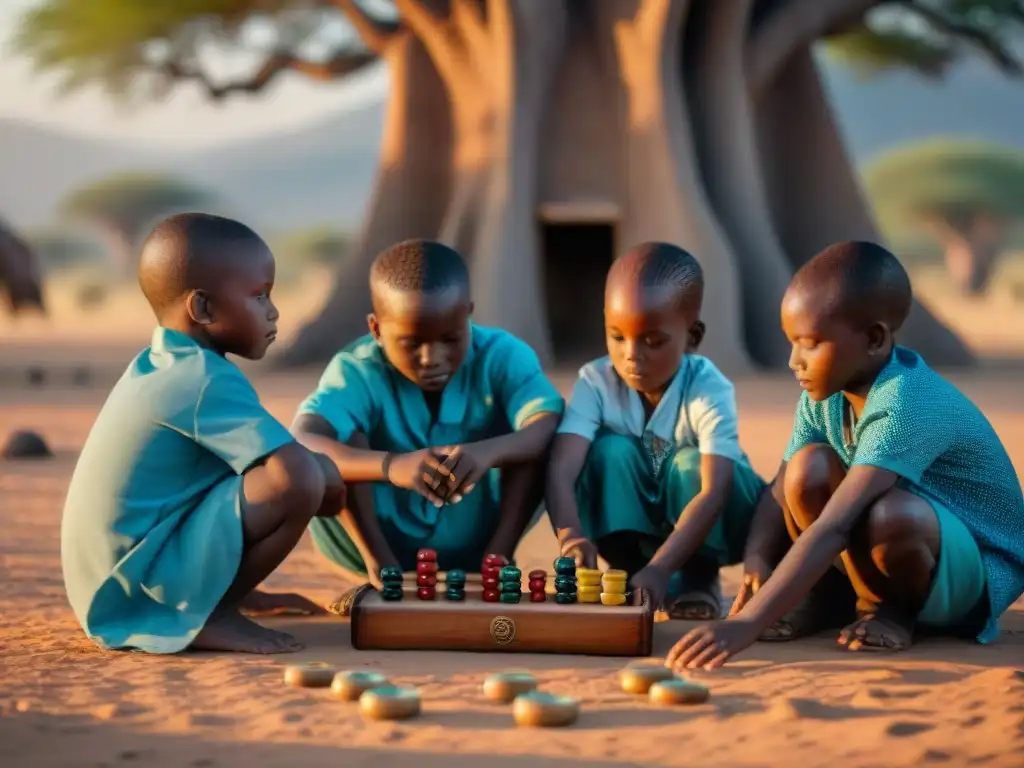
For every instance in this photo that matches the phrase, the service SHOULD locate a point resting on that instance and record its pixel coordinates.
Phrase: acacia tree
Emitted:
(727, 143)
(120, 207)
(965, 194)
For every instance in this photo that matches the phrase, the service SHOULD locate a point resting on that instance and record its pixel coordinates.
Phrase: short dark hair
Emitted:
(177, 254)
(421, 266)
(863, 281)
(658, 265)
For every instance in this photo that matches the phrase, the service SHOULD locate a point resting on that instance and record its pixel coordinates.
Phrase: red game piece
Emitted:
(490, 595)
(538, 597)
(426, 580)
(427, 555)
(537, 585)
(540, 573)
(490, 571)
(426, 593)
(489, 582)
(498, 560)
(426, 567)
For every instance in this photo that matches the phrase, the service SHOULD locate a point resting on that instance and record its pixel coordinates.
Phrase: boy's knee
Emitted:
(899, 520)
(299, 481)
(685, 469)
(609, 451)
(811, 477)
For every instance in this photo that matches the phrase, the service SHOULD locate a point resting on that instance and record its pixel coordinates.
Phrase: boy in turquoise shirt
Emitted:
(890, 470)
(187, 493)
(647, 469)
(440, 427)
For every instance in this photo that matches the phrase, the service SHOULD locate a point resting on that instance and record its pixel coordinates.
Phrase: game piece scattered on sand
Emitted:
(315, 674)
(503, 687)
(390, 702)
(639, 677)
(349, 686)
(538, 709)
(25, 444)
(672, 692)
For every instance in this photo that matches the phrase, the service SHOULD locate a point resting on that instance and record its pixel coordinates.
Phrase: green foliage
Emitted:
(128, 202)
(929, 35)
(946, 178)
(58, 250)
(318, 245)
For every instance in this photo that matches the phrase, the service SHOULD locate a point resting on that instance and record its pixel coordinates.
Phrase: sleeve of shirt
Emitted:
(806, 428)
(905, 444)
(230, 421)
(345, 397)
(583, 415)
(713, 416)
(522, 389)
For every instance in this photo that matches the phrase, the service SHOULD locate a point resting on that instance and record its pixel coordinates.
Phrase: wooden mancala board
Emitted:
(412, 624)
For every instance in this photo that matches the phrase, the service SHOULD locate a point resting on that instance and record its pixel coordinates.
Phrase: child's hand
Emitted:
(574, 544)
(458, 468)
(416, 471)
(755, 573)
(654, 578)
(710, 646)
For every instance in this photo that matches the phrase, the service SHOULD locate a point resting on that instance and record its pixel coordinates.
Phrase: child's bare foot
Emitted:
(231, 631)
(259, 603)
(881, 630)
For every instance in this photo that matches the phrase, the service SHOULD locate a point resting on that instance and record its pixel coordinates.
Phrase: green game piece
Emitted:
(510, 597)
(390, 573)
(392, 595)
(510, 573)
(565, 566)
(455, 594)
(455, 577)
(565, 583)
(563, 598)
(509, 588)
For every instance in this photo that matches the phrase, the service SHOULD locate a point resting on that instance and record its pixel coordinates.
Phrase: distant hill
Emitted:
(323, 171)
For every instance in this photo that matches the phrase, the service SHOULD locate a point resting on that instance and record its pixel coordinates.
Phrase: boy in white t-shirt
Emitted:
(646, 469)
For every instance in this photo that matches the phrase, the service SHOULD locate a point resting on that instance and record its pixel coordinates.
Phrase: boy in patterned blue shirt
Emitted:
(440, 427)
(890, 468)
(187, 493)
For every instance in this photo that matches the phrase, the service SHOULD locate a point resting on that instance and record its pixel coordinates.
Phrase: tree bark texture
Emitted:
(728, 149)
(20, 279)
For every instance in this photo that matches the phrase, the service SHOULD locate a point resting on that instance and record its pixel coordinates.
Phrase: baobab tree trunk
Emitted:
(665, 197)
(21, 286)
(719, 99)
(528, 42)
(815, 193)
(409, 199)
(972, 244)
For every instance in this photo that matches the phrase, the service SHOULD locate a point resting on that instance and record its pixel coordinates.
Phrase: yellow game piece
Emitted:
(505, 686)
(588, 590)
(349, 686)
(390, 703)
(671, 692)
(614, 575)
(590, 597)
(589, 581)
(614, 587)
(587, 573)
(315, 674)
(612, 598)
(544, 710)
(639, 677)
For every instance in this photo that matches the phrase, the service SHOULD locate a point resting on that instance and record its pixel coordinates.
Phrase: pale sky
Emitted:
(185, 119)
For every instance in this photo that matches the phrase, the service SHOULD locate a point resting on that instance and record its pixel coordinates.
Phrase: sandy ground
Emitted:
(63, 703)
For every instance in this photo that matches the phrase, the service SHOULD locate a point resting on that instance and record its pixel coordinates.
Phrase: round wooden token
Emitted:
(673, 692)
(544, 710)
(503, 687)
(315, 674)
(389, 702)
(349, 686)
(638, 678)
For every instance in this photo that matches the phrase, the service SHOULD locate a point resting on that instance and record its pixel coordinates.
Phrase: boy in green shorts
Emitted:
(890, 470)
(440, 427)
(647, 470)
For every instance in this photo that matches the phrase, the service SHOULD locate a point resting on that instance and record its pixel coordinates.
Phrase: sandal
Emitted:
(342, 605)
(883, 630)
(831, 603)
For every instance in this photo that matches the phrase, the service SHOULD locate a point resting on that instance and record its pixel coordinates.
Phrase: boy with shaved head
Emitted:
(188, 493)
(647, 470)
(440, 426)
(890, 471)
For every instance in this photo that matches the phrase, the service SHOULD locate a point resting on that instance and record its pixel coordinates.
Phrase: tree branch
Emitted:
(375, 34)
(991, 47)
(791, 26)
(341, 64)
